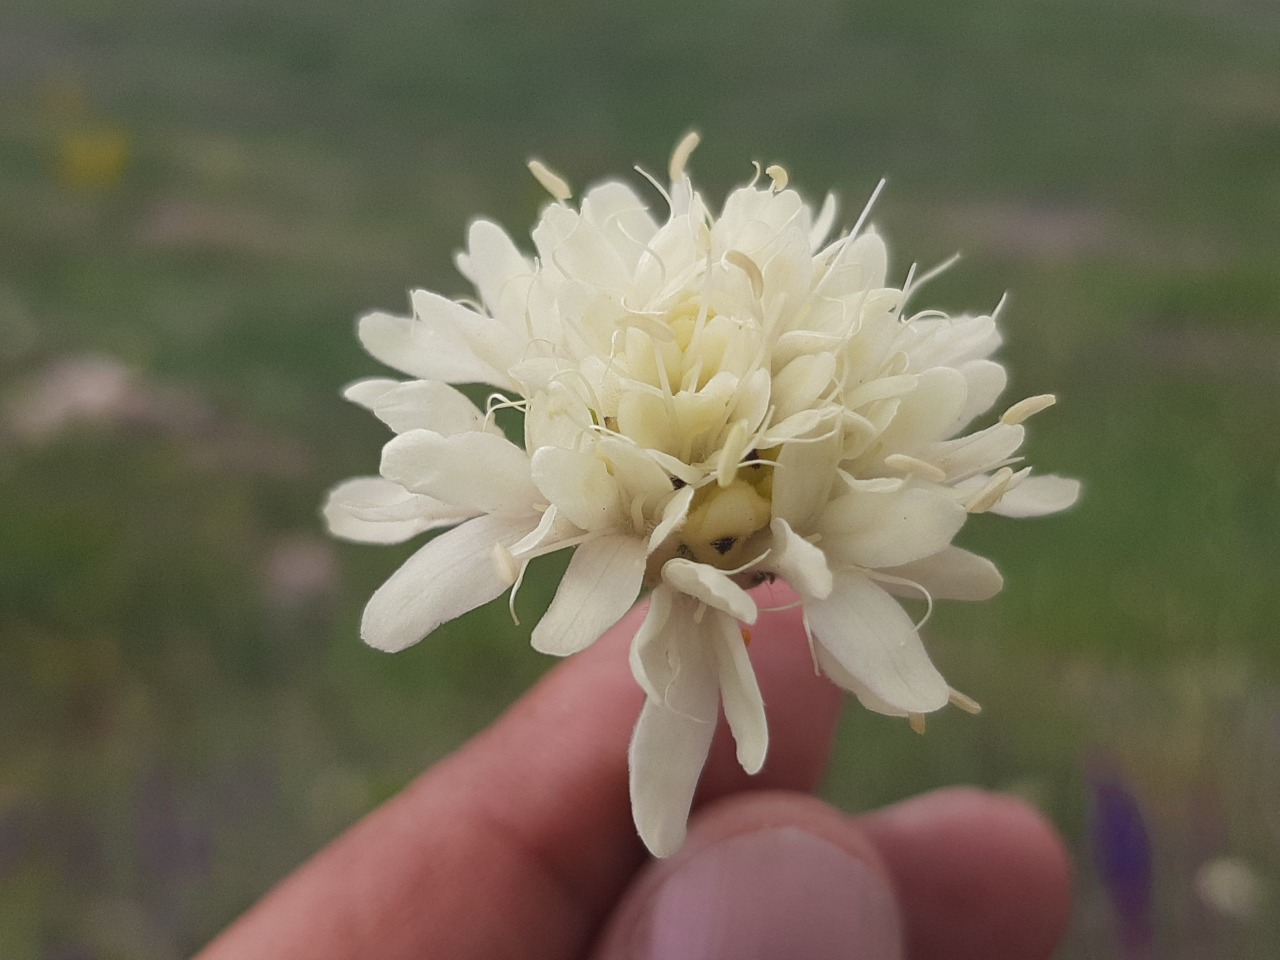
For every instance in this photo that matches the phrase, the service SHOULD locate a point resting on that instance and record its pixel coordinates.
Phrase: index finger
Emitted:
(519, 843)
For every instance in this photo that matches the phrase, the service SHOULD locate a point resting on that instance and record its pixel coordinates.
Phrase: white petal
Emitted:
(925, 414)
(599, 586)
(803, 478)
(653, 654)
(711, 586)
(743, 705)
(427, 405)
(365, 392)
(987, 381)
(798, 562)
(668, 752)
(580, 485)
(452, 574)
(976, 453)
(801, 382)
(874, 640)
(950, 574)
(374, 510)
(437, 347)
(477, 471)
(674, 513)
(1038, 496)
(889, 529)
(493, 262)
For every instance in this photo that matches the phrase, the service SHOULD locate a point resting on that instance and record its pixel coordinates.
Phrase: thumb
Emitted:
(764, 877)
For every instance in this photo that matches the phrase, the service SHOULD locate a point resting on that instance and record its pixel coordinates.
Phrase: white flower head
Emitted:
(710, 402)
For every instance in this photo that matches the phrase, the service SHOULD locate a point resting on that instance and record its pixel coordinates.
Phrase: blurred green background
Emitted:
(197, 198)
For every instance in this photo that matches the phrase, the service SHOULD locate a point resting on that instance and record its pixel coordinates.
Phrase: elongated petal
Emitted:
(843, 679)
(600, 585)
(668, 751)
(950, 574)
(889, 529)
(653, 655)
(803, 476)
(711, 586)
(435, 351)
(977, 453)
(427, 405)
(580, 485)
(799, 562)
(493, 262)
(374, 510)
(925, 414)
(452, 574)
(987, 381)
(1039, 496)
(477, 471)
(743, 705)
(874, 640)
(365, 392)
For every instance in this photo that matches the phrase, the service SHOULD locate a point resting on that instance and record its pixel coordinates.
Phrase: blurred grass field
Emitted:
(196, 200)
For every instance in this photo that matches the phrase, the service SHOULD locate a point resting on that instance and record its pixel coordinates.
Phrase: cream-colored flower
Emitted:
(709, 402)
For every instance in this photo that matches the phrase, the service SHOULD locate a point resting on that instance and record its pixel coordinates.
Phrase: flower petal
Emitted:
(711, 586)
(365, 392)
(803, 477)
(1039, 496)
(874, 640)
(653, 654)
(889, 529)
(476, 471)
(452, 574)
(668, 751)
(950, 574)
(743, 705)
(599, 586)
(374, 510)
(433, 350)
(580, 486)
(427, 405)
(798, 562)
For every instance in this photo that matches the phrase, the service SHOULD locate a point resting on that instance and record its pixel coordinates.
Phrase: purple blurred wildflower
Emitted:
(1122, 855)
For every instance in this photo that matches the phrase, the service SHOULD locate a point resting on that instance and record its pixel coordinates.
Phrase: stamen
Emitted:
(554, 184)
(778, 175)
(967, 704)
(917, 722)
(747, 266)
(1028, 408)
(680, 156)
(991, 492)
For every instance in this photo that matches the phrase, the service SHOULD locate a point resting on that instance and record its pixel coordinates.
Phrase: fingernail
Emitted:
(776, 893)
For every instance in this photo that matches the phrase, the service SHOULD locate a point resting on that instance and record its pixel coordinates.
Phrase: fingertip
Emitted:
(765, 874)
(979, 875)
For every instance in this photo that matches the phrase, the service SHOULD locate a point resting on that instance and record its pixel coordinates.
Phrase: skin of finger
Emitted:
(627, 931)
(980, 876)
(518, 844)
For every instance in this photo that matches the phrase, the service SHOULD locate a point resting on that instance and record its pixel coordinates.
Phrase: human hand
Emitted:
(521, 845)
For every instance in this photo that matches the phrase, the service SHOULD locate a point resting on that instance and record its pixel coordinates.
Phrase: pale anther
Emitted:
(680, 156)
(1025, 409)
(965, 703)
(504, 564)
(778, 175)
(916, 721)
(991, 492)
(554, 184)
(747, 266)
